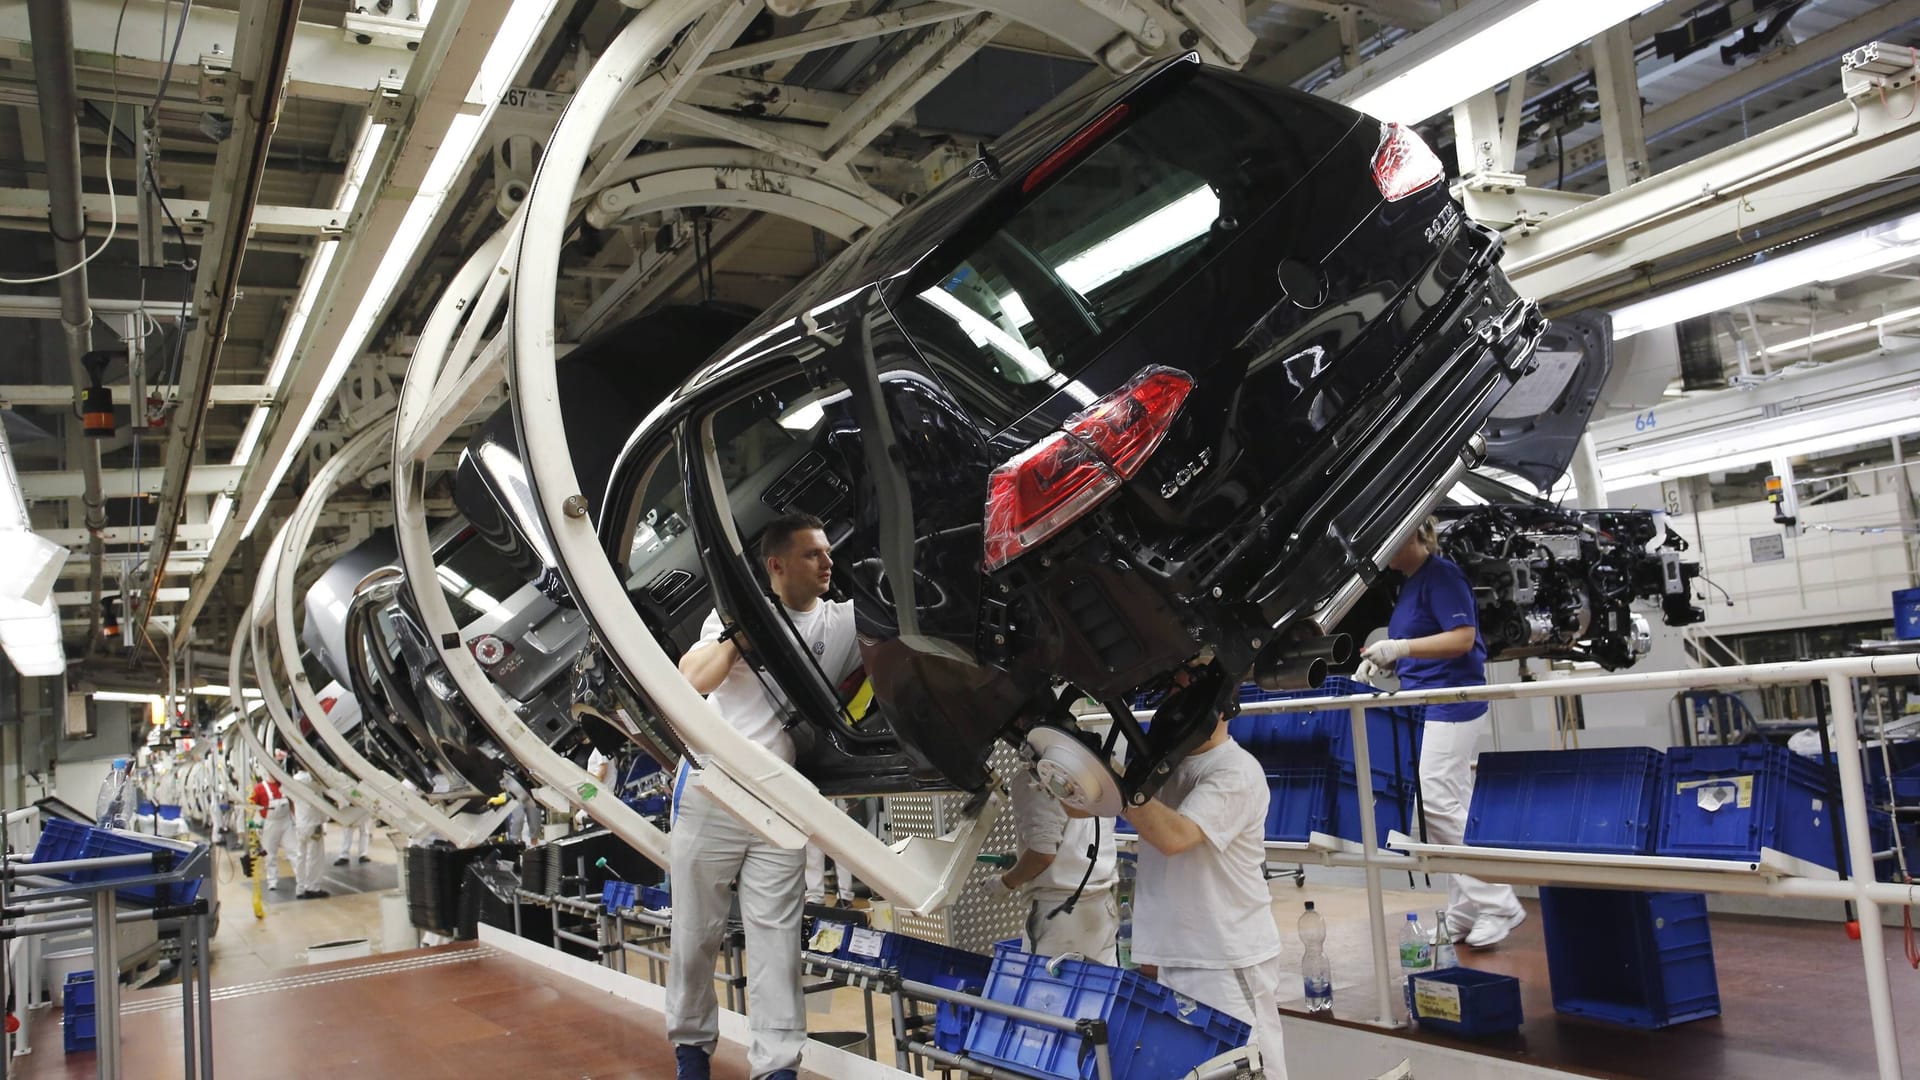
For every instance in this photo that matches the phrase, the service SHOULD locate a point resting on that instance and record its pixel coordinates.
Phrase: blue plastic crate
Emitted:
(1462, 1001)
(1906, 787)
(654, 898)
(1300, 800)
(950, 1020)
(1605, 801)
(1906, 614)
(78, 991)
(617, 895)
(1635, 958)
(1152, 1033)
(59, 841)
(77, 1029)
(915, 959)
(1393, 734)
(1393, 804)
(102, 843)
(1728, 802)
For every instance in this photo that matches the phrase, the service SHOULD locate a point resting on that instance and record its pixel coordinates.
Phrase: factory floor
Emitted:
(1793, 1000)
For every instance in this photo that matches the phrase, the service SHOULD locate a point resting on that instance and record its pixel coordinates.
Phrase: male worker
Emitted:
(309, 844)
(355, 839)
(1071, 902)
(276, 811)
(1202, 917)
(711, 848)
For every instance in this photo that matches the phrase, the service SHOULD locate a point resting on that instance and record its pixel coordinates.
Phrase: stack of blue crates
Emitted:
(1635, 958)
(1152, 1033)
(1728, 802)
(1309, 760)
(1603, 801)
(76, 1012)
(62, 840)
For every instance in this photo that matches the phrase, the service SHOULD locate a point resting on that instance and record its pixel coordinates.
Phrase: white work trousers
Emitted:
(1250, 993)
(1446, 788)
(309, 854)
(710, 849)
(355, 839)
(274, 834)
(817, 876)
(1091, 929)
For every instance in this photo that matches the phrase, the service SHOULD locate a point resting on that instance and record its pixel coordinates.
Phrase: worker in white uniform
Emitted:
(1202, 916)
(354, 841)
(817, 874)
(276, 825)
(1071, 906)
(309, 844)
(711, 848)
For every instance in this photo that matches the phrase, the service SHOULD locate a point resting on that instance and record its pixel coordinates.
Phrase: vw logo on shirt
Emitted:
(819, 648)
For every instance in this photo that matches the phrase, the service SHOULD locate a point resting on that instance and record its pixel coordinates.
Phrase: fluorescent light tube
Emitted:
(1808, 431)
(1870, 249)
(1479, 46)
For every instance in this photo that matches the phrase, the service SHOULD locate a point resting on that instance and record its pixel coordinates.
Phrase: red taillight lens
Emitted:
(1071, 150)
(1049, 485)
(1038, 492)
(1126, 426)
(1403, 164)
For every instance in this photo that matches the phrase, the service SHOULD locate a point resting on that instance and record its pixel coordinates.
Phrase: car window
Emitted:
(660, 527)
(477, 579)
(1019, 311)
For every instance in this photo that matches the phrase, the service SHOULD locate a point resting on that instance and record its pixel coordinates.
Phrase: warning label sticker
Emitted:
(1436, 1000)
(1718, 791)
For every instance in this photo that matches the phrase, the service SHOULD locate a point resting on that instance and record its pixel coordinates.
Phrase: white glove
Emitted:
(997, 887)
(1380, 658)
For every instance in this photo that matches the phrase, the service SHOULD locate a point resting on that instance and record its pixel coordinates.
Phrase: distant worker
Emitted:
(1202, 916)
(355, 840)
(711, 848)
(310, 845)
(1433, 640)
(276, 813)
(1072, 908)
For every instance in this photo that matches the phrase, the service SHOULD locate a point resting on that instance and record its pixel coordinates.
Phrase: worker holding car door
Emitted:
(711, 849)
(1433, 640)
(1203, 918)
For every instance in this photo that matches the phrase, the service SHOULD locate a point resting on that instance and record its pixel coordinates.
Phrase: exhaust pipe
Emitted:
(1284, 671)
(1333, 648)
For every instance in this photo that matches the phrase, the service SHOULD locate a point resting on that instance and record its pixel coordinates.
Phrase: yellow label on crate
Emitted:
(1714, 792)
(828, 937)
(1436, 1000)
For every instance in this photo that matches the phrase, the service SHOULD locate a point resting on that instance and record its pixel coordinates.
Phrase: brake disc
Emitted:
(1073, 772)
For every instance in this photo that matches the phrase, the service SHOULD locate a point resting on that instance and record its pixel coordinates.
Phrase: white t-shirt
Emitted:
(1208, 906)
(1043, 826)
(743, 699)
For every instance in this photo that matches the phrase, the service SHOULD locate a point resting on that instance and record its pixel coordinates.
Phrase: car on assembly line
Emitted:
(1137, 404)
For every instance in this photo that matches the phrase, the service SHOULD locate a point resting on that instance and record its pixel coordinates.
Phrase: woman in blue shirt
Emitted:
(1433, 640)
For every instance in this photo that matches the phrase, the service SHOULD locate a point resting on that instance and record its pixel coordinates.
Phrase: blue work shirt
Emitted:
(1437, 598)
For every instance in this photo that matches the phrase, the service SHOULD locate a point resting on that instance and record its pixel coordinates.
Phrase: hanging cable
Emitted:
(113, 204)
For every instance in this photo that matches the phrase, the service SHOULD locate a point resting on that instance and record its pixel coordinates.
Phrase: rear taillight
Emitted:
(1403, 164)
(1126, 426)
(1049, 485)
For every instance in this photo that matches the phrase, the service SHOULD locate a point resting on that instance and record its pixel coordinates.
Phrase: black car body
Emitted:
(1128, 401)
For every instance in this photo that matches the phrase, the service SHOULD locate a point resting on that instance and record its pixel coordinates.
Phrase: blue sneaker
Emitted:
(691, 1063)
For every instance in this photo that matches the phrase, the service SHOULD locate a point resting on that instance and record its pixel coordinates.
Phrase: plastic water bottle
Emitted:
(1123, 947)
(1444, 953)
(1416, 948)
(113, 808)
(1315, 973)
